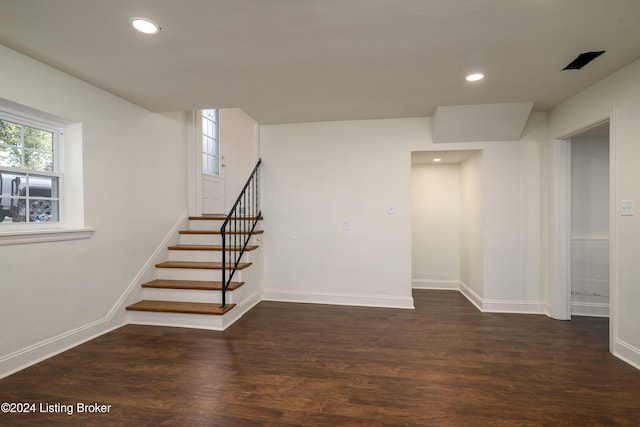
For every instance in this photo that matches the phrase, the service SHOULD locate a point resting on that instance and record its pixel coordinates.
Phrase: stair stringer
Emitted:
(118, 316)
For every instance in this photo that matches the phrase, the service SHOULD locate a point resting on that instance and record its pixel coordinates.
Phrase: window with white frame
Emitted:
(210, 143)
(30, 175)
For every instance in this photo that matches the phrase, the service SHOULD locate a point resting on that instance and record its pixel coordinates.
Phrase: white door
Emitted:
(212, 168)
(212, 195)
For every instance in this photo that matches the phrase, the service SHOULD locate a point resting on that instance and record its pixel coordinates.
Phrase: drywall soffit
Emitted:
(481, 122)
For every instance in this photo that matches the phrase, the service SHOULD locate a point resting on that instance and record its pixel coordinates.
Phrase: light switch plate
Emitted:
(626, 207)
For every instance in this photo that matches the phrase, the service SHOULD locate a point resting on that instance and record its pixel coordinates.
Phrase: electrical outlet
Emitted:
(346, 225)
(391, 209)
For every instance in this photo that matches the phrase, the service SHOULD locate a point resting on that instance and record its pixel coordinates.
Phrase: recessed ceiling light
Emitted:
(145, 25)
(475, 77)
(437, 159)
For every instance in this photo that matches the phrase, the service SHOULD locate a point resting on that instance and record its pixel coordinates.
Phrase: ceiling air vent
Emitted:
(582, 60)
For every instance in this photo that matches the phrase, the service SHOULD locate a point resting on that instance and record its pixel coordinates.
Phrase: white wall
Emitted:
(512, 224)
(590, 187)
(618, 97)
(472, 226)
(435, 225)
(238, 141)
(56, 294)
(316, 175)
(501, 223)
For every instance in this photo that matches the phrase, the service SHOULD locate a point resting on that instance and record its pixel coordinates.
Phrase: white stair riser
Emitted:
(215, 225)
(189, 295)
(198, 321)
(204, 256)
(244, 297)
(200, 239)
(194, 274)
(215, 239)
(205, 225)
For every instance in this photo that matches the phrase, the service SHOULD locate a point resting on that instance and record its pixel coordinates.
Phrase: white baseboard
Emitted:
(282, 295)
(115, 318)
(502, 306)
(626, 352)
(241, 309)
(589, 309)
(469, 293)
(45, 349)
(453, 285)
(511, 306)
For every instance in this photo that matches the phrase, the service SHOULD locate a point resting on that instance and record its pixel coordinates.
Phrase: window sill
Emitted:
(18, 237)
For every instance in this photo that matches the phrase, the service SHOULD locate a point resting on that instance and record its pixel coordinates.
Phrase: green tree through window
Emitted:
(25, 147)
(29, 180)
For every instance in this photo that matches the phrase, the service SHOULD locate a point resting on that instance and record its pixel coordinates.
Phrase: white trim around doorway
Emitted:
(559, 255)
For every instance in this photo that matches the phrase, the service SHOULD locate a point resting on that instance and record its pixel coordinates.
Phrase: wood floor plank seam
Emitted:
(286, 364)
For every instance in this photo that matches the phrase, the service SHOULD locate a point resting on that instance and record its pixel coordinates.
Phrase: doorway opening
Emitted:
(446, 221)
(561, 258)
(589, 218)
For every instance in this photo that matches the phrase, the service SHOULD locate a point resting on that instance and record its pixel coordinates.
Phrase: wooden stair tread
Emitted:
(206, 265)
(180, 307)
(203, 285)
(222, 218)
(208, 248)
(218, 232)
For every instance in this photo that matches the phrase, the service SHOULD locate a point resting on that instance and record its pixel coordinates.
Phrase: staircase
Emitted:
(187, 290)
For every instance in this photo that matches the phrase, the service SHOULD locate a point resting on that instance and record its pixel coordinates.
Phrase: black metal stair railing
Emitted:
(238, 227)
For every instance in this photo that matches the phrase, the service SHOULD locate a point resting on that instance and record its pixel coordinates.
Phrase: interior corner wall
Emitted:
(56, 294)
(237, 134)
(435, 225)
(618, 97)
(512, 221)
(317, 180)
(471, 228)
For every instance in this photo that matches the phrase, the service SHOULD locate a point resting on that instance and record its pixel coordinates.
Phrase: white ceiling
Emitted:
(311, 60)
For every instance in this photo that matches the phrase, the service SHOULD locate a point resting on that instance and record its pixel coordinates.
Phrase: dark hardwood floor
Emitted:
(442, 364)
